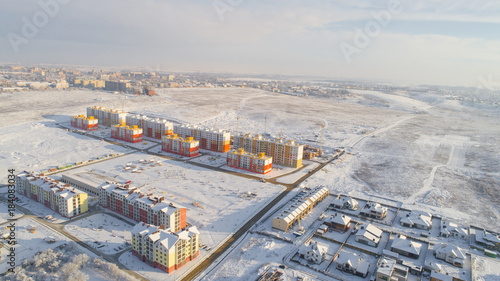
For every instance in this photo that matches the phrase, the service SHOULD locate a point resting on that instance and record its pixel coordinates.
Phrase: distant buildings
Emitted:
(117, 86)
(257, 163)
(284, 153)
(107, 117)
(85, 123)
(210, 139)
(185, 147)
(164, 249)
(417, 219)
(368, 234)
(374, 210)
(352, 263)
(90, 83)
(62, 198)
(300, 206)
(127, 133)
(132, 203)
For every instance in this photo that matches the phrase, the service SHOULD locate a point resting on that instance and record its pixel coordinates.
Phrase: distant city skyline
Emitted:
(447, 43)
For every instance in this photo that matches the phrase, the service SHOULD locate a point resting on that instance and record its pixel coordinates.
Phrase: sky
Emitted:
(445, 42)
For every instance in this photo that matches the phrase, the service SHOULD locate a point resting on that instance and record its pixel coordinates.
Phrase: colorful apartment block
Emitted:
(130, 202)
(286, 153)
(185, 147)
(156, 128)
(126, 133)
(164, 249)
(82, 122)
(210, 139)
(136, 120)
(57, 196)
(107, 117)
(257, 163)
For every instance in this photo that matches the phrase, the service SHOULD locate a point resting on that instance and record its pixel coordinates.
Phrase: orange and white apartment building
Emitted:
(257, 163)
(130, 202)
(210, 139)
(165, 249)
(185, 147)
(156, 128)
(85, 123)
(286, 153)
(127, 133)
(107, 117)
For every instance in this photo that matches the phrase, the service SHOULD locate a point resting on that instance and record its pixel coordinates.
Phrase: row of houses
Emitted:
(257, 163)
(298, 207)
(62, 198)
(164, 249)
(286, 153)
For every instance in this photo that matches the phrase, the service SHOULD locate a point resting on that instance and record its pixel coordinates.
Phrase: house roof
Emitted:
(449, 227)
(417, 218)
(405, 245)
(449, 249)
(339, 219)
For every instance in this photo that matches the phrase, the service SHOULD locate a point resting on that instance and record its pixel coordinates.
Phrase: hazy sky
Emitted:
(449, 42)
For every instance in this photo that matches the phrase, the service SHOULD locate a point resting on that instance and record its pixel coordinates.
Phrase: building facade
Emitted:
(107, 117)
(185, 147)
(127, 133)
(85, 123)
(164, 249)
(57, 196)
(286, 153)
(156, 128)
(257, 163)
(210, 139)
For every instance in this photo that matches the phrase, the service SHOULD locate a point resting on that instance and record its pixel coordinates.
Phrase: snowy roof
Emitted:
(143, 229)
(375, 207)
(449, 249)
(349, 258)
(339, 219)
(448, 227)
(342, 200)
(386, 266)
(441, 276)
(369, 232)
(417, 218)
(405, 245)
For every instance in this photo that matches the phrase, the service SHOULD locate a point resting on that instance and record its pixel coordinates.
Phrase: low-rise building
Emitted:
(338, 222)
(185, 147)
(85, 123)
(352, 263)
(257, 163)
(389, 269)
(450, 229)
(374, 210)
(163, 248)
(342, 202)
(368, 234)
(406, 247)
(488, 240)
(450, 254)
(313, 252)
(62, 198)
(417, 219)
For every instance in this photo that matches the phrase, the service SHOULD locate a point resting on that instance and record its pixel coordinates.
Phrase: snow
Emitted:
(296, 176)
(5, 214)
(485, 269)
(105, 229)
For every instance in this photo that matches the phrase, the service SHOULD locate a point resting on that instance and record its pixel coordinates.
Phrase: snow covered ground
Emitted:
(110, 233)
(485, 269)
(5, 214)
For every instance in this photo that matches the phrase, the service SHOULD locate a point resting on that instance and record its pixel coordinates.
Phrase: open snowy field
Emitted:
(213, 199)
(485, 269)
(103, 232)
(5, 214)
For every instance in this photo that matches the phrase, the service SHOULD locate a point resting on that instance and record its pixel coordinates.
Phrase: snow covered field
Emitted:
(5, 214)
(485, 269)
(110, 233)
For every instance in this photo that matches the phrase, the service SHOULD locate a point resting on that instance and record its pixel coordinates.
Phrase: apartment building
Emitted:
(57, 196)
(130, 202)
(118, 86)
(210, 139)
(257, 163)
(164, 249)
(90, 83)
(157, 128)
(136, 120)
(126, 133)
(185, 147)
(107, 117)
(286, 153)
(85, 123)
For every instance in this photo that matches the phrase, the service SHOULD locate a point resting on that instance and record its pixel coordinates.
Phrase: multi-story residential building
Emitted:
(257, 163)
(286, 153)
(60, 197)
(210, 139)
(185, 147)
(86, 123)
(132, 203)
(90, 83)
(136, 120)
(300, 206)
(164, 249)
(126, 133)
(118, 86)
(107, 117)
(157, 128)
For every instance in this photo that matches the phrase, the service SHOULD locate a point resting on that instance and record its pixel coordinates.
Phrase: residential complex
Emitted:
(60, 197)
(185, 147)
(118, 86)
(85, 123)
(126, 133)
(132, 203)
(164, 249)
(136, 120)
(257, 163)
(300, 206)
(210, 139)
(107, 117)
(157, 128)
(90, 83)
(283, 153)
